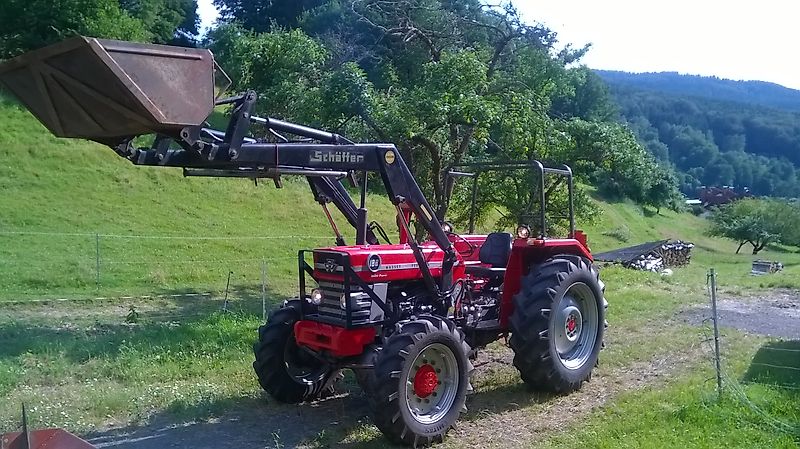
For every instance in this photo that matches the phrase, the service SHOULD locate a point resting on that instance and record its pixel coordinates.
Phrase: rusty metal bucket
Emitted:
(105, 90)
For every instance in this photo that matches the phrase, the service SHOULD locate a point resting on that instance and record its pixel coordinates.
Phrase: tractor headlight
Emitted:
(447, 227)
(523, 231)
(316, 296)
(343, 301)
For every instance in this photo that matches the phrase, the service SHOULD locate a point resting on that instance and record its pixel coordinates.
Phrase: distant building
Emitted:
(717, 196)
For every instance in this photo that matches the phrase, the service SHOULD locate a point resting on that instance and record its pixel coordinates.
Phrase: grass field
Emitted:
(80, 365)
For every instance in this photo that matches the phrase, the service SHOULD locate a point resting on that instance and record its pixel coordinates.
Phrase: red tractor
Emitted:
(406, 317)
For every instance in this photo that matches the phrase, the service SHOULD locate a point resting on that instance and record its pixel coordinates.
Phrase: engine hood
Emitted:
(377, 263)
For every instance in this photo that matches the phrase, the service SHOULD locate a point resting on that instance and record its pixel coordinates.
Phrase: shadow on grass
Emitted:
(242, 423)
(341, 421)
(243, 298)
(776, 364)
(710, 249)
(79, 332)
(648, 212)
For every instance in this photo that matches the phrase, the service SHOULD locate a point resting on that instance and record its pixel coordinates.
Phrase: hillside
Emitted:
(715, 132)
(750, 92)
(155, 232)
(158, 231)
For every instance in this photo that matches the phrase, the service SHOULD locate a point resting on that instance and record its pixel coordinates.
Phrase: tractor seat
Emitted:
(494, 252)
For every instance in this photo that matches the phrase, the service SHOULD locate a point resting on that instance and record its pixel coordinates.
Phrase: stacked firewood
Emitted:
(676, 253)
(670, 254)
(647, 262)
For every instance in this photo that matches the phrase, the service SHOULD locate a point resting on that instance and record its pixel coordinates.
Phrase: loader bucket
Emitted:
(43, 439)
(107, 90)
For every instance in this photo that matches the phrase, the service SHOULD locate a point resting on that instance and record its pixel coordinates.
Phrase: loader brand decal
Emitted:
(374, 262)
(346, 157)
(389, 157)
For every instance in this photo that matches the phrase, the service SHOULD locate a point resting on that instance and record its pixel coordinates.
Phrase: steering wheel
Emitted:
(448, 229)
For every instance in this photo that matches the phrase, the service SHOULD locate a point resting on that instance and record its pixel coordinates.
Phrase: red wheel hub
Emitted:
(571, 325)
(425, 381)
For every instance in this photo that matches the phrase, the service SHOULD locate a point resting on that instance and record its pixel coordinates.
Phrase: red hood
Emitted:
(388, 262)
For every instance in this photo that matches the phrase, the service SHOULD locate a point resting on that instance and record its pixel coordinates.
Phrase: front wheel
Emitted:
(420, 382)
(285, 370)
(558, 323)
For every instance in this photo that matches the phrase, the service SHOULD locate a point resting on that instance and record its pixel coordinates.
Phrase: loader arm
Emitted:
(271, 159)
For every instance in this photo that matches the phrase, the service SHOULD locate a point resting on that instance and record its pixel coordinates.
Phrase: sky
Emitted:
(740, 40)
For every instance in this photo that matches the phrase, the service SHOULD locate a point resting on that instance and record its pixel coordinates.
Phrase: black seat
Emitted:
(494, 252)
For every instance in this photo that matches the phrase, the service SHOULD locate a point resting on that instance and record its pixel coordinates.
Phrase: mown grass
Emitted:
(82, 376)
(78, 364)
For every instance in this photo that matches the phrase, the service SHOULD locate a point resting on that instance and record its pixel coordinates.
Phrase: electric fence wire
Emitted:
(164, 237)
(734, 387)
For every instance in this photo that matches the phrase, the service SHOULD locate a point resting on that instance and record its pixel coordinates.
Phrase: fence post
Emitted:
(713, 278)
(227, 287)
(264, 290)
(97, 259)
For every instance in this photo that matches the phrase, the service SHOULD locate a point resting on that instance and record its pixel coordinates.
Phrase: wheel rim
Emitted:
(299, 365)
(432, 383)
(575, 326)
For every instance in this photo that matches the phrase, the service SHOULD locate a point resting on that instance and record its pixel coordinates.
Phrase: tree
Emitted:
(30, 24)
(284, 67)
(263, 15)
(758, 222)
(663, 190)
(167, 21)
(446, 81)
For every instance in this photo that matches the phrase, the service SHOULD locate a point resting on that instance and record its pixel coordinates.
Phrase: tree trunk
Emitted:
(740, 246)
(436, 166)
(759, 245)
(459, 149)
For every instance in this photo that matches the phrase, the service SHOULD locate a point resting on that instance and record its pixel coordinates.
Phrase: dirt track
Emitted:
(776, 314)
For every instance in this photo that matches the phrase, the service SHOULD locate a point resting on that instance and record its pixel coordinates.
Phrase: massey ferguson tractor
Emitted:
(406, 317)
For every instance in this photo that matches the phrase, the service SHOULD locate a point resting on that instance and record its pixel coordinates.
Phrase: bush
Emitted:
(622, 233)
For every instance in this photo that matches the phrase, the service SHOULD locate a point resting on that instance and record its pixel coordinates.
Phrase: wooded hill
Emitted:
(717, 132)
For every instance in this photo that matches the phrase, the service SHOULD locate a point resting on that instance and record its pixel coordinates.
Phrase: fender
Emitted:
(527, 252)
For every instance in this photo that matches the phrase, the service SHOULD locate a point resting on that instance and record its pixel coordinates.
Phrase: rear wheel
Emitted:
(420, 382)
(285, 370)
(558, 323)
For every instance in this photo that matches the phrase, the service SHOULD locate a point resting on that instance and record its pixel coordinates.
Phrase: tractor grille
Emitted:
(330, 308)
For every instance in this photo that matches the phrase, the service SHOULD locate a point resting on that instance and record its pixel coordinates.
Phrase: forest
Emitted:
(750, 141)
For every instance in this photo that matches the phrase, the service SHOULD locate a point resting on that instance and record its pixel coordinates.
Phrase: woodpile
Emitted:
(668, 254)
(676, 253)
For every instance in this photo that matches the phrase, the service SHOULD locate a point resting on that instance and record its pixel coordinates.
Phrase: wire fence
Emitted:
(49, 265)
(775, 365)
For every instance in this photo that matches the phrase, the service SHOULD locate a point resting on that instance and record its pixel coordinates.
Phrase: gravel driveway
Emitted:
(774, 313)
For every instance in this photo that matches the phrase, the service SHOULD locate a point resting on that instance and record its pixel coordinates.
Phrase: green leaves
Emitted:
(30, 24)
(758, 222)
(445, 81)
(284, 67)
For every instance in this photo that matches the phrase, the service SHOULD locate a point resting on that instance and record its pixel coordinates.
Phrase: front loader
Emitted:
(406, 317)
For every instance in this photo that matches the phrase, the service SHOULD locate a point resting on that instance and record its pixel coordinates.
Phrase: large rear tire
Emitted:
(558, 324)
(420, 382)
(285, 370)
